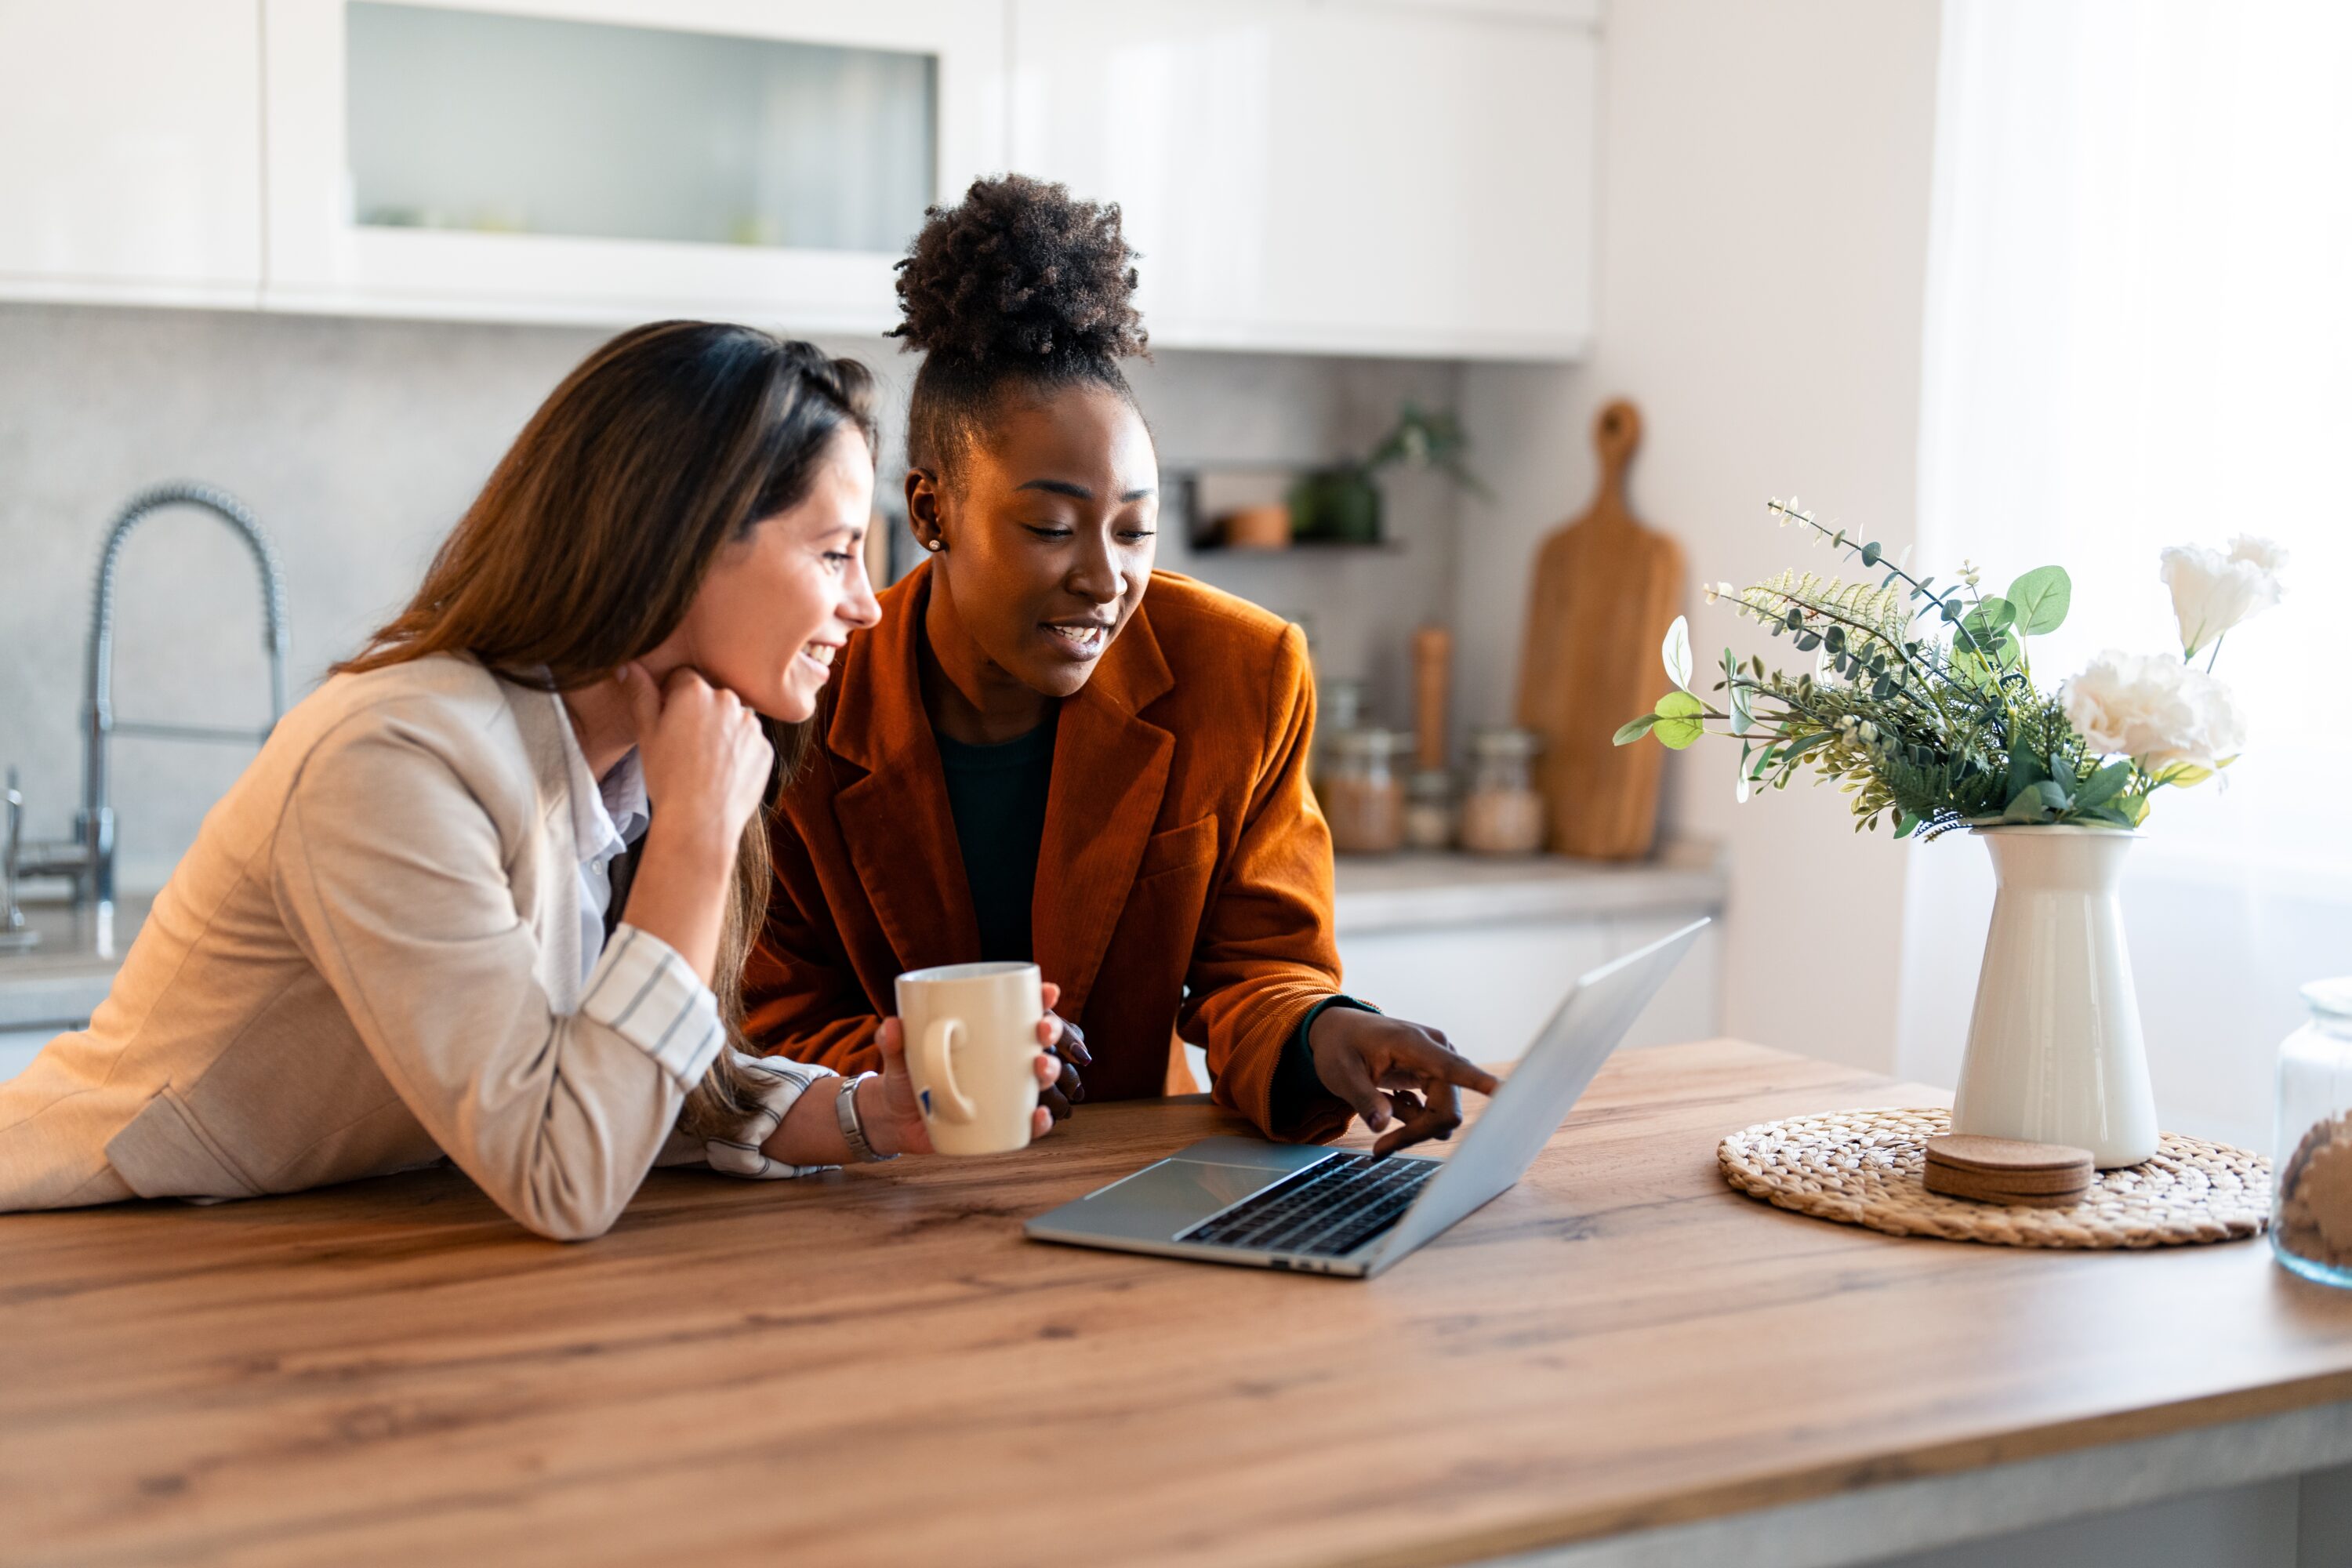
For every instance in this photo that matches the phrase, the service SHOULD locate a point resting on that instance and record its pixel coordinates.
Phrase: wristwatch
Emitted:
(852, 1131)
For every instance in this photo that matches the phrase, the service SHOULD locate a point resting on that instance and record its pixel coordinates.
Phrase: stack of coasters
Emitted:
(2005, 1171)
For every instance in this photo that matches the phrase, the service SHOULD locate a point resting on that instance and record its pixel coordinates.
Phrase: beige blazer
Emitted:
(369, 958)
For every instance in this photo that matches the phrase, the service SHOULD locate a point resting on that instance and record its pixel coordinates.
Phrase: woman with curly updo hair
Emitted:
(1026, 761)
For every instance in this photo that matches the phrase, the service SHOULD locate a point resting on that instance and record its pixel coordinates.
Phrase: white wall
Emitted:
(1765, 180)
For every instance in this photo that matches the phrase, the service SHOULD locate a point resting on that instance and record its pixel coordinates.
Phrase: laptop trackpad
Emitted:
(1160, 1200)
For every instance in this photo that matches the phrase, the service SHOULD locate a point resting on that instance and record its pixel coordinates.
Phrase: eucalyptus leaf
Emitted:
(1678, 721)
(1676, 734)
(1633, 730)
(2103, 785)
(1870, 555)
(2025, 770)
(1677, 652)
(2043, 597)
(1988, 621)
(2036, 803)
(1905, 825)
(1742, 719)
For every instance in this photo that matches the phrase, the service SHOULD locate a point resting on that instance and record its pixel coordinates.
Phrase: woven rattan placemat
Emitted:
(1864, 1167)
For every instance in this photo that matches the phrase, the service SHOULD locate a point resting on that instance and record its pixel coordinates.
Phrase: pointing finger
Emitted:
(1441, 1064)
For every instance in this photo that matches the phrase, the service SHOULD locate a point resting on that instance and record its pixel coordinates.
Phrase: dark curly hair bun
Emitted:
(1022, 274)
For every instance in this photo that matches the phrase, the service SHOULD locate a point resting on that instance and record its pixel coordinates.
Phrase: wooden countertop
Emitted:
(873, 1367)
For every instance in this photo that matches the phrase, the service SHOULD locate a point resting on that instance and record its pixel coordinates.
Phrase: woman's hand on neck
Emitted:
(603, 719)
(969, 696)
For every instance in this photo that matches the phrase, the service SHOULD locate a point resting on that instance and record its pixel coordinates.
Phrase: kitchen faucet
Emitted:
(87, 858)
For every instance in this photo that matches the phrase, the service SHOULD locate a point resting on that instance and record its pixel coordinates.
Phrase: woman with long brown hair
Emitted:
(486, 893)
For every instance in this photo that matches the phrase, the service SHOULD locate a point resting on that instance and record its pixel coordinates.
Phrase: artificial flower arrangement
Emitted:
(1922, 704)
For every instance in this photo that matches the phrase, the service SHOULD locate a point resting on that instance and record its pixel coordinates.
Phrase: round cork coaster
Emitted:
(1866, 1168)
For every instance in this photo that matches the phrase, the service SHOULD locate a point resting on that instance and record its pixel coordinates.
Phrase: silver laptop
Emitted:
(1327, 1211)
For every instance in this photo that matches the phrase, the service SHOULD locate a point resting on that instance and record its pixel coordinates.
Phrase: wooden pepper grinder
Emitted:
(1606, 588)
(1433, 663)
(1429, 804)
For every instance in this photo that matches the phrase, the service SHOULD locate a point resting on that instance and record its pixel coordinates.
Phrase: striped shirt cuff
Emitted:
(773, 1084)
(645, 992)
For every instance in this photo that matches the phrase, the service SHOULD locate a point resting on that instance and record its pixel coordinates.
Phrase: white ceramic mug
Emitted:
(972, 1047)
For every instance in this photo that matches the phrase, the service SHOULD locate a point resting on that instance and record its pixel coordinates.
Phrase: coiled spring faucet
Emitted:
(87, 860)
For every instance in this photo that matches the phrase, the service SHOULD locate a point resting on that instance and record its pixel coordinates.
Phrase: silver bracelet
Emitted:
(852, 1130)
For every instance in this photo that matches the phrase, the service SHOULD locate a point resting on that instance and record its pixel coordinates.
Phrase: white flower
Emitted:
(2212, 592)
(2267, 554)
(2156, 710)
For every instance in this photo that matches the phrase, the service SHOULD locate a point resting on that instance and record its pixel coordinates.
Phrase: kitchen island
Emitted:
(1619, 1361)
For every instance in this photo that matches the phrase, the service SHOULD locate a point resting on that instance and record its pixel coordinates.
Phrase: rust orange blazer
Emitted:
(1184, 879)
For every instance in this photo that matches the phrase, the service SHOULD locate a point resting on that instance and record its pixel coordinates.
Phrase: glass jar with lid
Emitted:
(2311, 1206)
(1502, 814)
(1363, 798)
(1430, 812)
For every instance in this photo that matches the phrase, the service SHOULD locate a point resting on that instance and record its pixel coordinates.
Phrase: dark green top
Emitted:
(997, 796)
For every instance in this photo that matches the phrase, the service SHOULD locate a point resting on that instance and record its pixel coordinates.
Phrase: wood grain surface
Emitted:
(873, 1367)
(1604, 591)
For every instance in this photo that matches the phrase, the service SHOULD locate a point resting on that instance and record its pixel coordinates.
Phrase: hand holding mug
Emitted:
(1065, 1089)
(892, 1115)
(979, 1043)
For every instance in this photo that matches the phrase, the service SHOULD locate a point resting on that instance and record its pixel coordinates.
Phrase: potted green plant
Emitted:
(1921, 705)
(1341, 504)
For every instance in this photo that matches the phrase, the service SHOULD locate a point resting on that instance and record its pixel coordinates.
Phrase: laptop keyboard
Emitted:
(1327, 1210)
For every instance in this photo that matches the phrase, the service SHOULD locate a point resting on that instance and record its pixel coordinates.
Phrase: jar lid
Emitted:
(1368, 743)
(1505, 743)
(2330, 998)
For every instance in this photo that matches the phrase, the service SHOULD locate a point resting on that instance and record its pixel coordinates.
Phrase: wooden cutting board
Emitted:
(1605, 589)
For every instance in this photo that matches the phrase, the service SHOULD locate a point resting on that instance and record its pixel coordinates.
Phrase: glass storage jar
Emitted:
(1429, 809)
(1363, 798)
(2310, 1159)
(1503, 814)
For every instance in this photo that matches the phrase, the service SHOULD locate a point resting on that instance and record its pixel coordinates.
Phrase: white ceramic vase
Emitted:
(2055, 1050)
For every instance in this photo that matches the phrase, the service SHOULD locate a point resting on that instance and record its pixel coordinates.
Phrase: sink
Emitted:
(59, 984)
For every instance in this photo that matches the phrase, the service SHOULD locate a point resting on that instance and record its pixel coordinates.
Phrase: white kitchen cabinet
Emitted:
(1355, 176)
(1486, 948)
(131, 151)
(1491, 987)
(613, 159)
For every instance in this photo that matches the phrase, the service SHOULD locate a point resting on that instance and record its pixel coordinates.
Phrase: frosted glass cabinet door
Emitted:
(1398, 177)
(611, 160)
(131, 151)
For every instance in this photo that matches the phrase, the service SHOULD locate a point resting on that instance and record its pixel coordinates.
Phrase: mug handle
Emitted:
(934, 1065)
